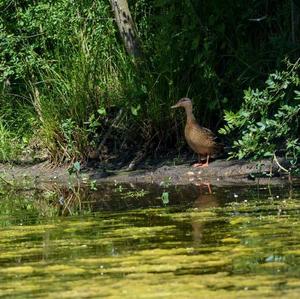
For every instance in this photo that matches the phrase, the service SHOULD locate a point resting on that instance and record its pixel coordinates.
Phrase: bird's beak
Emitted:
(174, 106)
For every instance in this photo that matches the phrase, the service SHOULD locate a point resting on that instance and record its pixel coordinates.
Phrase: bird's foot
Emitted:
(197, 165)
(200, 165)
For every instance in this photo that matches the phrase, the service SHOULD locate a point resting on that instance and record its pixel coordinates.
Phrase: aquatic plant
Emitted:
(165, 197)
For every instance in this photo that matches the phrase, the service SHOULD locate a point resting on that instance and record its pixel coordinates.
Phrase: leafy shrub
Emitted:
(268, 121)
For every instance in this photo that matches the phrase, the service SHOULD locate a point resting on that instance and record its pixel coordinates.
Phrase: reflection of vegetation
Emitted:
(20, 207)
(32, 204)
(135, 194)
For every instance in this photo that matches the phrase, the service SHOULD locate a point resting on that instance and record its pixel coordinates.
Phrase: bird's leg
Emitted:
(206, 163)
(206, 184)
(199, 164)
(208, 187)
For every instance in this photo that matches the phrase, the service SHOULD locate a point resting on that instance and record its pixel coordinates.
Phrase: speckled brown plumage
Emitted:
(200, 139)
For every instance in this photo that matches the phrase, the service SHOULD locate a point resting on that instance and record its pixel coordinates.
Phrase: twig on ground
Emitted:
(280, 166)
(5, 181)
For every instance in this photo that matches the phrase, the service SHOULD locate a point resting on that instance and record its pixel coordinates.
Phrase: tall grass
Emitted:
(92, 94)
(10, 147)
(73, 97)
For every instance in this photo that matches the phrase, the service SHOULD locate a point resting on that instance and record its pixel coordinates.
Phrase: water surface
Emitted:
(131, 241)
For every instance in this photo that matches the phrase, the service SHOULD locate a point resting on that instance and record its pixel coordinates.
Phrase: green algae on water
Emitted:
(214, 248)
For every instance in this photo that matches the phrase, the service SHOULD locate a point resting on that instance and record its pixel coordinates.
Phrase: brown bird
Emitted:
(200, 139)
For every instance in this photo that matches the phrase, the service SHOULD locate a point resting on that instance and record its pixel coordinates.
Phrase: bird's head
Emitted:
(184, 102)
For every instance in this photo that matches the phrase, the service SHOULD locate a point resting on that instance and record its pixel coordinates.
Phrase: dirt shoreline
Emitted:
(219, 172)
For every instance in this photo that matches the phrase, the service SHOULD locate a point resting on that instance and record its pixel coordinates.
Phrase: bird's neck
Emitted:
(189, 114)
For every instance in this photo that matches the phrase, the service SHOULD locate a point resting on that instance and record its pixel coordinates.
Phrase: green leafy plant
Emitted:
(93, 185)
(75, 169)
(268, 121)
(165, 197)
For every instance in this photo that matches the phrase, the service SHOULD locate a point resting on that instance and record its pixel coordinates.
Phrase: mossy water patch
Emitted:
(229, 250)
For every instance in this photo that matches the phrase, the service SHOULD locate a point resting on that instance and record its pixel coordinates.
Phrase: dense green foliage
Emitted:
(268, 120)
(69, 86)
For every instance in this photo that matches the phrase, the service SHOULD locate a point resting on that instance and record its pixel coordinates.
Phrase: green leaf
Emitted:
(144, 89)
(165, 197)
(102, 111)
(222, 131)
(134, 110)
(262, 126)
(268, 154)
(77, 166)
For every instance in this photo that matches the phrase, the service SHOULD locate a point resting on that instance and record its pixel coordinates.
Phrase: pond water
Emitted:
(148, 241)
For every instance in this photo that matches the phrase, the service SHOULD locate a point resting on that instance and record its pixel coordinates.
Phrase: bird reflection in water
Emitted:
(206, 200)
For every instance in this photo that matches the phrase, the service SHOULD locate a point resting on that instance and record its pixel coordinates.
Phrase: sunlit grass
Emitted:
(10, 147)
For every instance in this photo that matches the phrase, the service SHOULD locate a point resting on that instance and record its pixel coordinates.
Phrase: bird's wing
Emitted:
(200, 139)
(207, 136)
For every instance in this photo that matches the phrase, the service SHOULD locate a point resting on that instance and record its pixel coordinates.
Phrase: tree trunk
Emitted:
(126, 27)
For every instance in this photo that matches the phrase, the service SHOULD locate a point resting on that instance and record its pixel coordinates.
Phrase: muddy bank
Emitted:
(219, 172)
